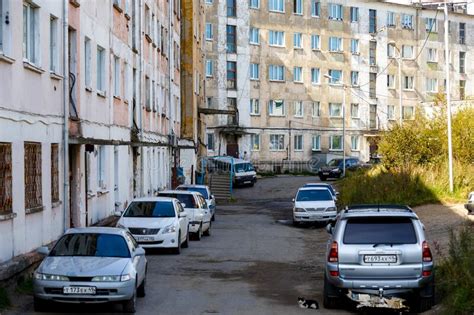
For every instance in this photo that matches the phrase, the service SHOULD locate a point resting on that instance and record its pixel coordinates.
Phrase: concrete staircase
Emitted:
(220, 186)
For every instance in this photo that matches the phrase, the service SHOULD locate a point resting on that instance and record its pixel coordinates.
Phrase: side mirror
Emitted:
(183, 205)
(293, 200)
(43, 250)
(182, 215)
(212, 197)
(139, 251)
(329, 228)
(118, 213)
(337, 193)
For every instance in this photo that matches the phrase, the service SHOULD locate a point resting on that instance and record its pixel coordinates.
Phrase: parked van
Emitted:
(243, 172)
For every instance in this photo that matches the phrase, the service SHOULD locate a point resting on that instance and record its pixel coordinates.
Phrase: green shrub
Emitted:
(455, 273)
(4, 299)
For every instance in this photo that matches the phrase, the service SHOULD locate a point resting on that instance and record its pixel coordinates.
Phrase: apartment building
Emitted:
(288, 67)
(89, 112)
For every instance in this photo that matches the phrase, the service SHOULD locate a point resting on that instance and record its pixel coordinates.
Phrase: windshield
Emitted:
(150, 209)
(187, 199)
(380, 230)
(202, 191)
(323, 186)
(243, 167)
(334, 162)
(91, 244)
(314, 195)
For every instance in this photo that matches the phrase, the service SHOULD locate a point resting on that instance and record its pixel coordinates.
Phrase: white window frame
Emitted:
(431, 85)
(116, 76)
(53, 45)
(254, 71)
(408, 83)
(355, 78)
(101, 167)
(355, 107)
(298, 143)
(391, 112)
(209, 68)
(254, 36)
(277, 6)
(254, 107)
(390, 81)
(332, 79)
(276, 38)
(316, 109)
(87, 64)
(355, 143)
(432, 55)
(407, 21)
(298, 7)
(279, 140)
(354, 14)
(298, 40)
(404, 115)
(335, 44)
(335, 11)
(315, 42)
(431, 23)
(255, 142)
(332, 109)
(299, 109)
(100, 69)
(331, 143)
(315, 8)
(272, 108)
(355, 49)
(276, 73)
(407, 52)
(254, 4)
(31, 34)
(209, 32)
(315, 76)
(316, 143)
(391, 22)
(298, 74)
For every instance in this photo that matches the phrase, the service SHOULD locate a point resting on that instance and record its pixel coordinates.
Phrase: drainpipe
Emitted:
(139, 96)
(170, 69)
(66, 115)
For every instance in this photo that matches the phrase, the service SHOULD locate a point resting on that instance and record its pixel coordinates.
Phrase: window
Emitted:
(315, 8)
(335, 44)
(231, 75)
(276, 108)
(316, 143)
(390, 81)
(101, 167)
(373, 85)
(354, 14)
(373, 53)
(231, 8)
(254, 71)
(276, 38)
(298, 40)
(316, 112)
(391, 112)
(431, 25)
(277, 142)
(147, 94)
(31, 35)
(407, 52)
(54, 173)
(254, 4)
(355, 78)
(432, 55)
(462, 62)
(297, 74)
(6, 193)
(126, 92)
(231, 38)
(408, 112)
(87, 63)
(276, 73)
(208, 1)
(408, 83)
(354, 46)
(276, 5)
(299, 109)
(335, 110)
(209, 31)
(209, 68)
(254, 36)
(335, 143)
(53, 45)
(372, 21)
(315, 42)
(462, 33)
(373, 116)
(390, 50)
(254, 106)
(147, 20)
(462, 89)
(407, 21)
(209, 102)
(355, 110)
(116, 76)
(210, 142)
(335, 76)
(100, 69)
(315, 76)
(298, 143)
(391, 19)
(431, 85)
(355, 143)
(33, 171)
(335, 11)
(255, 142)
(298, 7)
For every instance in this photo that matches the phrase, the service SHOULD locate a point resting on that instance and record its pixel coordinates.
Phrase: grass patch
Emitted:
(25, 286)
(4, 299)
(266, 174)
(455, 273)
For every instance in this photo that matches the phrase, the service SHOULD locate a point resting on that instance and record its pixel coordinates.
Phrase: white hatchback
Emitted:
(314, 204)
(156, 222)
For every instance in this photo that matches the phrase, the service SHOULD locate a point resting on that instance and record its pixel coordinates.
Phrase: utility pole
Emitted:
(448, 98)
(400, 106)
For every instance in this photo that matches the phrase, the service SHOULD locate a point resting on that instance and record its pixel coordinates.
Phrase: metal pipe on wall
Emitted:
(66, 114)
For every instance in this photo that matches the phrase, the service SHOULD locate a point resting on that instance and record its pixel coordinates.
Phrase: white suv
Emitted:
(314, 204)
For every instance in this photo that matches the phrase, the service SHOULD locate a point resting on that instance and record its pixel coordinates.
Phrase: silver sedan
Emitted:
(92, 265)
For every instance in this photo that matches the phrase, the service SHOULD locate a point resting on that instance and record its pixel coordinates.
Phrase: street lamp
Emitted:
(343, 124)
(399, 61)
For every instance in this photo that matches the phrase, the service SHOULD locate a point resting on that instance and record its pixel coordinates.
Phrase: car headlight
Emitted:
(106, 279)
(331, 209)
(48, 277)
(299, 210)
(120, 226)
(125, 277)
(335, 169)
(169, 229)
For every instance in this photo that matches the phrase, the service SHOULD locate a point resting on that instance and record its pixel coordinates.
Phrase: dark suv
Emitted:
(334, 168)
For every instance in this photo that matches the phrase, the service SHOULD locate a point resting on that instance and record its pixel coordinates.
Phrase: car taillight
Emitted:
(426, 273)
(333, 253)
(427, 257)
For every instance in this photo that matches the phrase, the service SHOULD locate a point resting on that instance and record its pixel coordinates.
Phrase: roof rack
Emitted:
(378, 207)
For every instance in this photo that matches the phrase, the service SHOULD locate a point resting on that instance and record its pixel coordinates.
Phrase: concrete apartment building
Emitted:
(269, 60)
(89, 112)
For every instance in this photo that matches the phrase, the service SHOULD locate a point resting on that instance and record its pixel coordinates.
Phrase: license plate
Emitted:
(79, 290)
(390, 259)
(144, 238)
(247, 182)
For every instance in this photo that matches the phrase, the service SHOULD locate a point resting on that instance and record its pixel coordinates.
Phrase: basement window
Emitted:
(54, 172)
(33, 175)
(5, 178)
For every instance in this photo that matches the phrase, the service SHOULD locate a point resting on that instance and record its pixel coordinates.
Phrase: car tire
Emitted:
(129, 306)
(198, 234)
(186, 242)
(39, 305)
(208, 231)
(424, 299)
(141, 291)
(177, 250)
(330, 295)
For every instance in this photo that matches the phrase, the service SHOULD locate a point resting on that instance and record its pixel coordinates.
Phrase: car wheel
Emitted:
(199, 233)
(186, 242)
(129, 306)
(330, 295)
(424, 299)
(208, 231)
(177, 250)
(296, 223)
(141, 292)
(39, 305)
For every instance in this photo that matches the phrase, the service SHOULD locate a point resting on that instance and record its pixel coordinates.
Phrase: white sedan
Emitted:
(206, 193)
(314, 204)
(157, 222)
